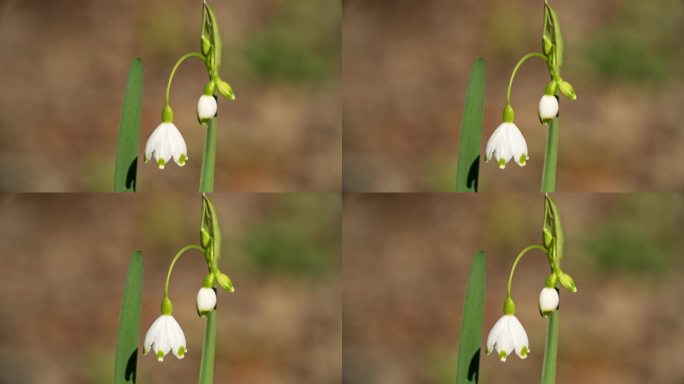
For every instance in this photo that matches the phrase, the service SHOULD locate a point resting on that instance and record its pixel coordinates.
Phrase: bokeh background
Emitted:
(406, 260)
(405, 71)
(64, 259)
(64, 66)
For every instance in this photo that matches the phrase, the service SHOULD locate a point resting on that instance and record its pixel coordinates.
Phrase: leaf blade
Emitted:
(470, 340)
(468, 168)
(125, 363)
(125, 169)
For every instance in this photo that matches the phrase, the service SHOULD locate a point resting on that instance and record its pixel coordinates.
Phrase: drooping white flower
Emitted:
(206, 107)
(507, 143)
(164, 336)
(548, 300)
(548, 108)
(166, 143)
(506, 336)
(206, 300)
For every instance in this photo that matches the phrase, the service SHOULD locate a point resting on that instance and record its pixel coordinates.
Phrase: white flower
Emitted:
(506, 336)
(206, 107)
(206, 300)
(548, 301)
(165, 143)
(548, 108)
(507, 143)
(165, 335)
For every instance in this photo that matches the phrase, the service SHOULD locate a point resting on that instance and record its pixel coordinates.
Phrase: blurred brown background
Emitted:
(64, 260)
(405, 266)
(405, 71)
(64, 65)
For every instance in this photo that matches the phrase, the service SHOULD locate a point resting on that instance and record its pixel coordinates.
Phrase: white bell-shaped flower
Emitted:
(506, 336)
(548, 108)
(507, 143)
(548, 301)
(166, 143)
(206, 300)
(206, 107)
(164, 336)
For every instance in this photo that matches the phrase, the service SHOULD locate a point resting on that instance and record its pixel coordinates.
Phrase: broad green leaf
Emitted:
(470, 340)
(207, 363)
(467, 173)
(129, 323)
(551, 351)
(125, 170)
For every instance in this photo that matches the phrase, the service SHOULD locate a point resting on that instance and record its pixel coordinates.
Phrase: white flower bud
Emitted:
(206, 107)
(548, 108)
(548, 301)
(206, 301)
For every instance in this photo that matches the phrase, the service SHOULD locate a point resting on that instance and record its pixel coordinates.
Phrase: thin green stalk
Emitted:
(515, 70)
(173, 263)
(208, 161)
(207, 363)
(551, 351)
(175, 68)
(515, 264)
(549, 177)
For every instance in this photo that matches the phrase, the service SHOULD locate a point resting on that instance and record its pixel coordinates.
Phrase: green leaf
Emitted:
(129, 323)
(207, 363)
(125, 170)
(467, 173)
(470, 341)
(209, 158)
(551, 351)
(551, 157)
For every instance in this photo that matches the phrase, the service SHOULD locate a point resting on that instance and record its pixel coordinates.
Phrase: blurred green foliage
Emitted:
(300, 236)
(300, 44)
(641, 237)
(641, 43)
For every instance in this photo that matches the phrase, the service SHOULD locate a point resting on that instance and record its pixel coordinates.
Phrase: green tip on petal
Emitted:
(160, 356)
(502, 163)
(523, 160)
(161, 163)
(181, 352)
(182, 159)
(523, 352)
(502, 356)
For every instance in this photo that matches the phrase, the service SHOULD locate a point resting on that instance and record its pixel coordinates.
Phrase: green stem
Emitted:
(175, 68)
(551, 351)
(515, 70)
(515, 264)
(551, 158)
(207, 363)
(173, 262)
(208, 161)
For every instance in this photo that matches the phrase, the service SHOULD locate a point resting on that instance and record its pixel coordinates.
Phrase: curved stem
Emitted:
(515, 70)
(175, 68)
(515, 264)
(173, 262)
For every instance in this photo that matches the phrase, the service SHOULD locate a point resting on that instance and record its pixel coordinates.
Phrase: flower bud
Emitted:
(206, 107)
(548, 108)
(566, 89)
(225, 89)
(206, 301)
(225, 282)
(567, 282)
(548, 301)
